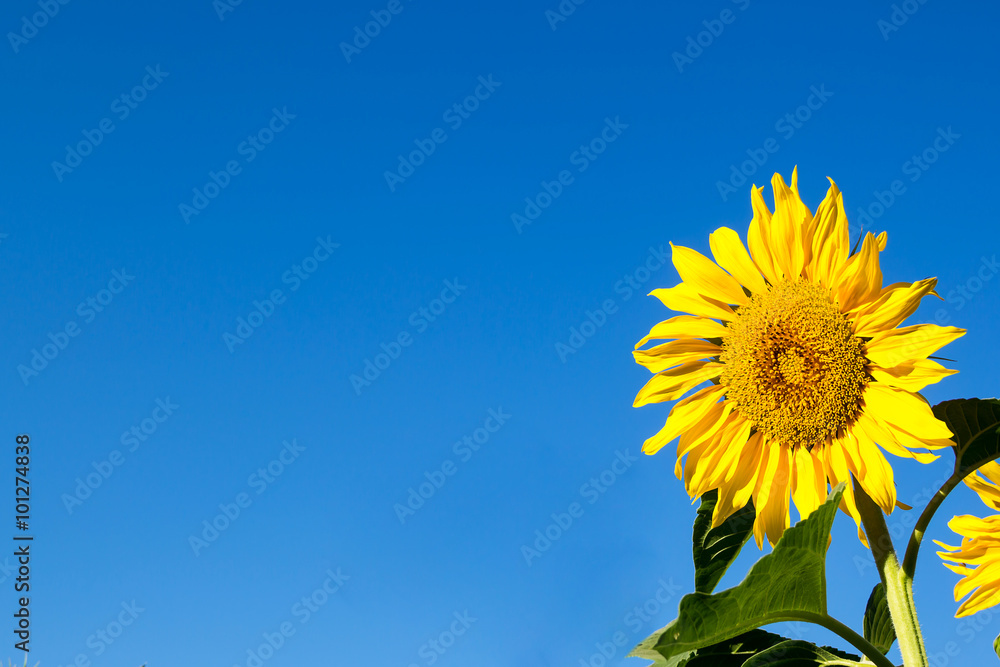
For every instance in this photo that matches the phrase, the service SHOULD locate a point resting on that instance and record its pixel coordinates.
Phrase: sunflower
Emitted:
(979, 556)
(809, 373)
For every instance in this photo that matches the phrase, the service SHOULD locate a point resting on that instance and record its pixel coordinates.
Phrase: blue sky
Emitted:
(215, 215)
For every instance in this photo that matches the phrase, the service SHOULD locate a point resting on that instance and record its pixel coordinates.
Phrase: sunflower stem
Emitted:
(879, 540)
(898, 585)
(899, 595)
(913, 548)
(845, 632)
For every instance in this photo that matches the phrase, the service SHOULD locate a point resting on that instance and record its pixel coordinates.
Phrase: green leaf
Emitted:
(729, 653)
(762, 649)
(878, 622)
(715, 549)
(996, 646)
(795, 653)
(976, 425)
(787, 584)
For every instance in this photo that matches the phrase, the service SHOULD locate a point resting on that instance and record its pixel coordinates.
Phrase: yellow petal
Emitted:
(990, 471)
(860, 279)
(684, 326)
(987, 491)
(839, 470)
(945, 546)
(971, 607)
(972, 526)
(887, 440)
(906, 410)
(758, 236)
(698, 436)
(737, 436)
(983, 578)
(755, 455)
(790, 217)
(732, 255)
(809, 222)
(718, 456)
(892, 307)
(912, 376)
(808, 482)
(700, 469)
(671, 384)
(876, 476)
(684, 415)
(831, 241)
(897, 346)
(734, 495)
(685, 299)
(771, 496)
(676, 352)
(706, 277)
(907, 439)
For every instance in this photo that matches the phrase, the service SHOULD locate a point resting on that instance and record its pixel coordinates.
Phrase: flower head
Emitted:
(811, 378)
(978, 559)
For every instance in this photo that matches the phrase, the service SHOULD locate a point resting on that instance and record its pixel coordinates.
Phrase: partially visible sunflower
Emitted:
(810, 375)
(978, 559)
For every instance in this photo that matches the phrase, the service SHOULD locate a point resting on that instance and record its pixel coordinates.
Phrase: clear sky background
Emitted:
(256, 149)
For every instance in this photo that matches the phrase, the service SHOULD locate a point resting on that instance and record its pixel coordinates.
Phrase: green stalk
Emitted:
(910, 559)
(961, 472)
(856, 640)
(899, 594)
(898, 585)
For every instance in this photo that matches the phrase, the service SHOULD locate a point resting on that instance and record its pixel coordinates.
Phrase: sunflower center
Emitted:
(793, 366)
